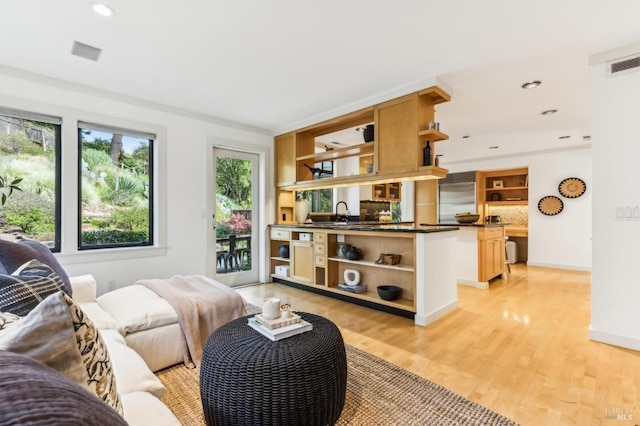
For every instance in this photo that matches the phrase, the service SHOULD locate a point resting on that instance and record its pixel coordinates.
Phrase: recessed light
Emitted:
(494, 147)
(531, 84)
(549, 112)
(564, 137)
(102, 9)
(466, 136)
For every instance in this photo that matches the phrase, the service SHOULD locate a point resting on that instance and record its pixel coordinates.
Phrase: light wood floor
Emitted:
(520, 348)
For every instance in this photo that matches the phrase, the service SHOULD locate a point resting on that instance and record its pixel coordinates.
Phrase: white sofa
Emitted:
(139, 388)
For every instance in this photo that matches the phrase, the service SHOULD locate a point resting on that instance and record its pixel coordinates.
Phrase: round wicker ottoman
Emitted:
(246, 379)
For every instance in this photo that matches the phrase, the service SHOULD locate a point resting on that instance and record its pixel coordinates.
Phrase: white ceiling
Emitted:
(282, 64)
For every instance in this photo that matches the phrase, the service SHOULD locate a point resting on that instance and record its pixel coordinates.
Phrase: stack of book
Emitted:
(280, 332)
(352, 288)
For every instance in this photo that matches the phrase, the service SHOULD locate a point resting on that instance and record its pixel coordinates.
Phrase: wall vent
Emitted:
(85, 51)
(623, 66)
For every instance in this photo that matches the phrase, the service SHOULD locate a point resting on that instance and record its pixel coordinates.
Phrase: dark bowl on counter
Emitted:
(389, 292)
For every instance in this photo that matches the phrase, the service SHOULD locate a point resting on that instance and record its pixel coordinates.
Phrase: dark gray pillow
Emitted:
(22, 292)
(15, 254)
(35, 394)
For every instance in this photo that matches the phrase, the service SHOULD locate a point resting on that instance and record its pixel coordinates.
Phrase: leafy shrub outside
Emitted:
(136, 219)
(238, 224)
(222, 230)
(113, 236)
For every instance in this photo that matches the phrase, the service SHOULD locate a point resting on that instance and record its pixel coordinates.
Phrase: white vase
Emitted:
(302, 210)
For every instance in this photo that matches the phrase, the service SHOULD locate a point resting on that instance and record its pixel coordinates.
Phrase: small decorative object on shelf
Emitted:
(284, 251)
(426, 154)
(495, 196)
(388, 259)
(352, 288)
(368, 133)
(498, 184)
(389, 292)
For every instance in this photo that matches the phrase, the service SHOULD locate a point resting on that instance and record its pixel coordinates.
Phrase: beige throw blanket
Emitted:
(202, 305)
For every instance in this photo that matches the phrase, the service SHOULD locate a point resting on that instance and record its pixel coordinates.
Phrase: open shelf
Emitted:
(434, 135)
(398, 267)
(281, 259)
(338, 153)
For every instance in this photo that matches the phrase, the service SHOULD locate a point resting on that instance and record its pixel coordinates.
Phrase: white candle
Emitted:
(271, 308)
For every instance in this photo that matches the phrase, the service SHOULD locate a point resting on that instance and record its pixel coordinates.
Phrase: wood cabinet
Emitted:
(491, 252)
(285, 155)
(302, 261)
(401, 130)
(504, 187)
(316, 263)
(386, 191)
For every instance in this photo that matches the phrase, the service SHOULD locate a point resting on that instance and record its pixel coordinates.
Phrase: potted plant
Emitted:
(302, 207)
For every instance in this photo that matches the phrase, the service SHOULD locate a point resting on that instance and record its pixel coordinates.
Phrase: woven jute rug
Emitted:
(378, 393)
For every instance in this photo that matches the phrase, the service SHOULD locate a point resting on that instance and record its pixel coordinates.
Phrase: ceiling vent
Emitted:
(623, 66)
(85, 51)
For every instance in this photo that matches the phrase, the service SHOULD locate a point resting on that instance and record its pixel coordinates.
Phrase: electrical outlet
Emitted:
(112, 285)
(340, 238)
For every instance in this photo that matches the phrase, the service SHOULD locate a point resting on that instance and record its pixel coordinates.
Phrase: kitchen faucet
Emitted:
(342, 218)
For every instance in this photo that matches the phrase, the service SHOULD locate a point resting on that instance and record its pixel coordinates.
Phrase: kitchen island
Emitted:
(425, 271)
(480, 253)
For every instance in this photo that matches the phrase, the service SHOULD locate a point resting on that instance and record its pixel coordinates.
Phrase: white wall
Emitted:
(562, 241)
(615, 289)
(186, 154)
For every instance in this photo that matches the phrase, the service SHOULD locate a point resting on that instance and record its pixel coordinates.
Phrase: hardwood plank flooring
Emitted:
(520, 348)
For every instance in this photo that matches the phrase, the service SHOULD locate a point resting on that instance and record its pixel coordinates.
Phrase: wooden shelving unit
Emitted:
(329, 270)
(339, 153)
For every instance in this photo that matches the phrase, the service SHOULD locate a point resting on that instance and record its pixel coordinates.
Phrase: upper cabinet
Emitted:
(504, 187)
(401, 129)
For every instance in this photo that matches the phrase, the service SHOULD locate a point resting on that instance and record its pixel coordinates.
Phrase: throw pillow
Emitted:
(58, 334)
(6, 319)
(14, 254)
(35, 394)
(30, 285)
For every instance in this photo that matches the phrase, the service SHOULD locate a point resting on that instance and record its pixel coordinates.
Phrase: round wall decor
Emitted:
(550, 205)
(572, 187)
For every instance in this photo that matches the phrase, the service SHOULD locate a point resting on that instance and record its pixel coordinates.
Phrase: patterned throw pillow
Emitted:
(58, 334)
(28, 286)
(13, 254)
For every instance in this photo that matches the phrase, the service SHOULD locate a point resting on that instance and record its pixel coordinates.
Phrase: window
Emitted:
(322, 199)
(115, 187)
(30, 151)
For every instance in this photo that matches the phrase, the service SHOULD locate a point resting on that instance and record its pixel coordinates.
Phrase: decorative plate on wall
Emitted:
(550, 205)
(572, 187)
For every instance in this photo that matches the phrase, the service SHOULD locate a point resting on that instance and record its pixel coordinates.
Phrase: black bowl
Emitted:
(389, 292)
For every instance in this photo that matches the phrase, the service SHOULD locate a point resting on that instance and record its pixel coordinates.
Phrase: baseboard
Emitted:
(614, 339)
(472, 283)
(557, 266)
(437, 314)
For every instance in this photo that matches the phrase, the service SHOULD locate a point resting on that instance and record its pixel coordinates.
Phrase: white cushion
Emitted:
(83, 288)
(137, 308)
(132, 373)
(144, 409)
(160, 347)
(101, 318)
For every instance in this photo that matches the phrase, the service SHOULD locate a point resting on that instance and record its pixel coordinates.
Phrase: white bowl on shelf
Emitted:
(378, 192)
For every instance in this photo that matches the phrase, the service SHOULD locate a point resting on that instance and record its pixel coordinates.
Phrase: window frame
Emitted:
(57, 161)
(151, 233)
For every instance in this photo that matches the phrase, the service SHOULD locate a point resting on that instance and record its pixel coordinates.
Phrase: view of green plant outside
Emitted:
(28, 154)
(233, 213)
(115, 189)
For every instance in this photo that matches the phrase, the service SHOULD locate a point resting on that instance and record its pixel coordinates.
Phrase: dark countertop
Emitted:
(466, 225)
(371, 226)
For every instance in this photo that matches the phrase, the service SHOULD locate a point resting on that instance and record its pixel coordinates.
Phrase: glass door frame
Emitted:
(259, 215)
